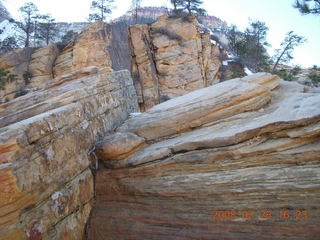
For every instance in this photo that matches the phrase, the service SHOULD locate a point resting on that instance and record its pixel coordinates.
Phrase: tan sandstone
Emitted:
(46, 143)
(249, 145)
(171, 57)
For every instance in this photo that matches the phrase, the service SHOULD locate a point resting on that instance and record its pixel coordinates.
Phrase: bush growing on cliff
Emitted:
(6, 77)
(288, 75)
(27, 77)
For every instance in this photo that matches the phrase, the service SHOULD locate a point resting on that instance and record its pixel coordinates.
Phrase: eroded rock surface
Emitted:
(17, 63)
(171, 58)
(46, 141)
(100, 44)
(250, 144)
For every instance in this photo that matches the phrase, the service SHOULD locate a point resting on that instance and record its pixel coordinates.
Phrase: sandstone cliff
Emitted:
(246, 145)
(168, 58)
(46, 140)
(102, 45)
(171, 58)
(69, 155)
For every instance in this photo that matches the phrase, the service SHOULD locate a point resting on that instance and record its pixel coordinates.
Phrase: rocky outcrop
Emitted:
(46, 144)
(171, 58)
(100, 44)
(41, 64)
(17, 63)
(168, 58)
(237, 160)
(103, 45)
(31, 66)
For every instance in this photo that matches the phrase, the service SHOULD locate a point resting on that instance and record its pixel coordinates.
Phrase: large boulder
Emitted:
(237, 160)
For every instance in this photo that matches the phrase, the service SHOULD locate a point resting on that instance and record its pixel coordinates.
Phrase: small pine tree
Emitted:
(46, 29)
(177, 6)
(193, 7)
(250, 46)
(308, 6)
(29, 13)
(69, 37)
(233, 35)
(8, 44)
(135, 6)
(284, 55)
(101, 9)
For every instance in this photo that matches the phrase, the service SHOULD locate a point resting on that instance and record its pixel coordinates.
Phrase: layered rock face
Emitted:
(167, 58)
(46, 143)
(16, 62)
(171, 58)
(237, 160)
(102, 45)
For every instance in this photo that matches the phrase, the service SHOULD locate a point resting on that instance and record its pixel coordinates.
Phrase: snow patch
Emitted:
(56, 195)
(214, 42)
(135, 114)
(247, 71)
(8, 30)
(204, 29)
(230, 55)
(225, 63)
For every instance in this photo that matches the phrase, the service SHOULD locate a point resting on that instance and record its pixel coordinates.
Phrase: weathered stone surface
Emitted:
(16, 62)
(171, 58)
(250, 144)
(118, 146)
(46, 138)
(41, 64)
(37, 61)
(100, 44)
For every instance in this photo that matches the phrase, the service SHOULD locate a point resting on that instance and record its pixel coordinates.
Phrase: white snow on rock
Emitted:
(247, 71)
(56, 195)
(135, 114)
(230, 55)
(8, 30)
(214, 42)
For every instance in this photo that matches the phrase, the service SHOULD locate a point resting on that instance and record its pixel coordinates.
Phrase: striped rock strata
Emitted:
(237, 160)
(46, 137)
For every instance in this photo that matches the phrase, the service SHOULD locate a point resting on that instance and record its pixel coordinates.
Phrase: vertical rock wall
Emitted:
(171, 58)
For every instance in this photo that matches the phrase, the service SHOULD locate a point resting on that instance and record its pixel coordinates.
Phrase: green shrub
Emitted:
(314, 77)
(6, 77)
(288, 75)
(27, 77)
(296, 70)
